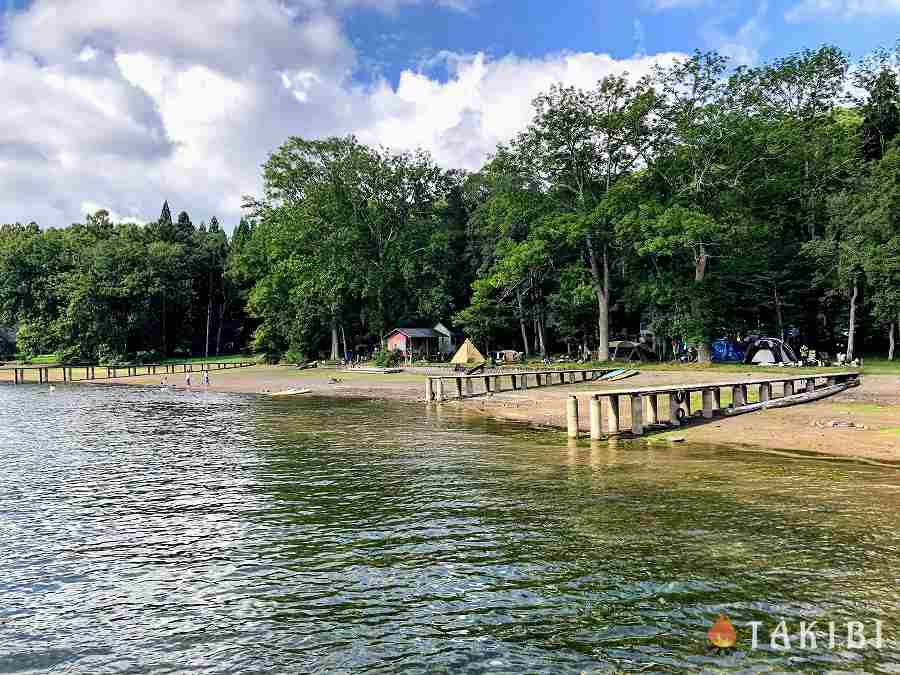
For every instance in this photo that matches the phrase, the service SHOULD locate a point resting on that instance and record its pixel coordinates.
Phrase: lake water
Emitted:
(158, 532)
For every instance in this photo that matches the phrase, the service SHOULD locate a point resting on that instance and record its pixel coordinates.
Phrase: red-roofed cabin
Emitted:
(424, 342)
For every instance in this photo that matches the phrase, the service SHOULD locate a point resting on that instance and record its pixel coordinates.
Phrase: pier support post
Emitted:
(487, 385)
(612, 414)
(439, 394)
(765, 392)
(515, 384)
(428, 393)
(708, 403)
(737, 396)
(459, 386)
(652, 409)
(65, 379)
(470, 387)
(637, 415)
(594, 409)
(524, 381)
(789, 388)
(810, 385)
(674, 407)
(572, 417)
(717, 398)
(687, 404)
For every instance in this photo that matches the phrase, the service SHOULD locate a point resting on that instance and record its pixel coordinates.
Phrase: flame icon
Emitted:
(722, 633)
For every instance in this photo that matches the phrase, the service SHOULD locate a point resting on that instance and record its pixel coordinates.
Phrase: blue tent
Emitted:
(725, 350)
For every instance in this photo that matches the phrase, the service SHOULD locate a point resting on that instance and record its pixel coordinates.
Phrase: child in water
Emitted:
(187, 379)
(205, 378)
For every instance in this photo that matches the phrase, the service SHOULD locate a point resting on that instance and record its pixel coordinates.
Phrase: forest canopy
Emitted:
(701, 201)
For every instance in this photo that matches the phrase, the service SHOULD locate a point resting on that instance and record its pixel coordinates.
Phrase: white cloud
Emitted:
(88, 208)
(110, 105)
(842, 9)
(742, 45)
(483, 103)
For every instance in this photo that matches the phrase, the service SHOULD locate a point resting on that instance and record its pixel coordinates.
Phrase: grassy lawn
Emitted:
(690, 367)
(881, 366)
(231, 358)
(51, 359)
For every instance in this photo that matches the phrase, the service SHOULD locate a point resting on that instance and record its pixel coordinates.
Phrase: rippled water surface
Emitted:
(147, 531)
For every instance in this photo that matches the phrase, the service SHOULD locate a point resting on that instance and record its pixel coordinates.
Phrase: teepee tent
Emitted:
(467, 353)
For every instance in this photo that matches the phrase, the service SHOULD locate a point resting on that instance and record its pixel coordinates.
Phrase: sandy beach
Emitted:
(860, 422)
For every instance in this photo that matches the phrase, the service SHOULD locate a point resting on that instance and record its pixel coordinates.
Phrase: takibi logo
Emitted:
(722, 633)
(830, 635)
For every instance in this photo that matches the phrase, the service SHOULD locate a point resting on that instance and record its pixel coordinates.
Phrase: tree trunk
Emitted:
(704, 350)
(522, 325)
(334, 341)
(219, 325)
(165, 347)
(344, 340)
(600, 279)
(541, 333)
(779, 321)
(208, 324)
(851, 332)
(891, 342)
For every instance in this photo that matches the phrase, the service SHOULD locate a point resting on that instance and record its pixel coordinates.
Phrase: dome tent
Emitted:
(727, 351)
(769, 351)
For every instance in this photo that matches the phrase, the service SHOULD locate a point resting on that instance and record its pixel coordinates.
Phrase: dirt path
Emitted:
(824, 426)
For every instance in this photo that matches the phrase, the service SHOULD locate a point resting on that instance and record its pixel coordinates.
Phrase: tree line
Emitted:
(700, 201)
(109, 292)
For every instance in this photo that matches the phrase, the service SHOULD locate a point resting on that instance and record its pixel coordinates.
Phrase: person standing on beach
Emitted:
(187, 379)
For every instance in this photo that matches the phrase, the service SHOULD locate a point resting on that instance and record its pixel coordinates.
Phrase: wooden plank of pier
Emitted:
(112, 372)
(491, 381)
(680, 399)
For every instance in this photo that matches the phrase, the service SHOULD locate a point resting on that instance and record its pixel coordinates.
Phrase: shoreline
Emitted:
(873, 408)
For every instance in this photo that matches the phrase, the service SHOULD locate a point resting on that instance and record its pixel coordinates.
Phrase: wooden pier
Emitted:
(95, 373)
(606, 411)
(446, 387)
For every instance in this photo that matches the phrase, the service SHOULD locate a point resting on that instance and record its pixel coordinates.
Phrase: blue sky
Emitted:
(120, 104)
(393, 41)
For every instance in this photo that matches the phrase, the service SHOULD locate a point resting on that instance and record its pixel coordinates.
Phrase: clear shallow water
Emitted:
(143, 531)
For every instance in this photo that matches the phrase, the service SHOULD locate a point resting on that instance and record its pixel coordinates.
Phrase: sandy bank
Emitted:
(875, 406)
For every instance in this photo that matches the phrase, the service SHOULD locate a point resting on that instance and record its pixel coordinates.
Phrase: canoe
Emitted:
(611, 374)
(291, 392)
(623, 375)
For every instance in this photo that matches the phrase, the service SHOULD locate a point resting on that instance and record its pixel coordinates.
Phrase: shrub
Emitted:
(108, 356)
(388, 359)
(294, 356)
(70, 355)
